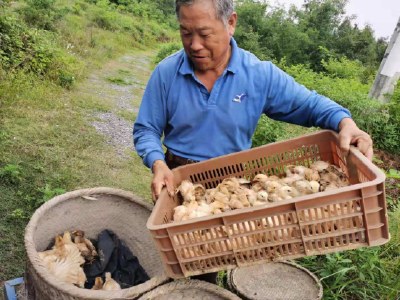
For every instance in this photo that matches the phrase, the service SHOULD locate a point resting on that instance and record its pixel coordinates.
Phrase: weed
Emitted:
(10, 174)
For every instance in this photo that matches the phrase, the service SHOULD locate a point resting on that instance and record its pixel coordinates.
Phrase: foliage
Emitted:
(299, 33)
(166, 50)
(10, 174)
(42, 13)
(268, 131)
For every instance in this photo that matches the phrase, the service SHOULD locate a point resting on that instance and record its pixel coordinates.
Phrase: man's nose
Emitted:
(196, 44)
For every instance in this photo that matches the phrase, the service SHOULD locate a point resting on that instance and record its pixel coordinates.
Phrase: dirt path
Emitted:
(119, 85)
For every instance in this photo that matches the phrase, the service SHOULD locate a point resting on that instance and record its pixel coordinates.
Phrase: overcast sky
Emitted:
(381, 14)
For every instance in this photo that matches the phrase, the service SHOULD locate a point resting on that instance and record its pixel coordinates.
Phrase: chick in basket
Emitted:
(206, 99)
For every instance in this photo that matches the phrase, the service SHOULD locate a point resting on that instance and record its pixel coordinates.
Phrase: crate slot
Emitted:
(340, 217)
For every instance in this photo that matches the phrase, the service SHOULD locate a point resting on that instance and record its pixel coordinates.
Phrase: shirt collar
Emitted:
(187, 66)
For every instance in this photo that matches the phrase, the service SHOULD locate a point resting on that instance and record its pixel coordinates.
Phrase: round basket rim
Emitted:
(70, 289)
(181, 284)
(234, 288)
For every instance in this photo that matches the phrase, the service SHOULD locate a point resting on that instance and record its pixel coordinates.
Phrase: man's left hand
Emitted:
(350, 134)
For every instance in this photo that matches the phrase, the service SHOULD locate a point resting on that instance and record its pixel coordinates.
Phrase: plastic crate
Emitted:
(326, 222)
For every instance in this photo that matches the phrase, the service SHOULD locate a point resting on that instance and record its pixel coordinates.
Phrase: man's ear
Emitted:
(232, 23)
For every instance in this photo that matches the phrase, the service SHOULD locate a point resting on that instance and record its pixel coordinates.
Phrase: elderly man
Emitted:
(207, 99)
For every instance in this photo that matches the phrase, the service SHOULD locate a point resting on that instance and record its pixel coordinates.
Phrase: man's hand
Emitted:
(162, 178)
(350, 134)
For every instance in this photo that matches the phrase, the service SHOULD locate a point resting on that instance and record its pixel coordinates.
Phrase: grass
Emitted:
(118, 80)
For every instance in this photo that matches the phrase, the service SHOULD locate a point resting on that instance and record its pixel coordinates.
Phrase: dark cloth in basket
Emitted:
(116, 258)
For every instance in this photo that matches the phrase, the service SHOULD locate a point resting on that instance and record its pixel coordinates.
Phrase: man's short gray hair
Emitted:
(223, 8)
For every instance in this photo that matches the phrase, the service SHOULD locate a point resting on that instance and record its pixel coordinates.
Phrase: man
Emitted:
(207, 99)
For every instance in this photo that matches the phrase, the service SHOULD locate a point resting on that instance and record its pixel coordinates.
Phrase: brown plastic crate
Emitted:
(321, 223)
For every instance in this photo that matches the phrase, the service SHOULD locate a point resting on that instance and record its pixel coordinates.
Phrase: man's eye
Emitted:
(186, 33)
(204, 35)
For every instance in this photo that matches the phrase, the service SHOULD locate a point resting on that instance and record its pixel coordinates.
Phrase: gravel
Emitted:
(118, 130)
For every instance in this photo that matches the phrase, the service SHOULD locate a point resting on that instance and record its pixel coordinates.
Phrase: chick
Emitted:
(231, 184)
(186, 189)
(110, 284)
(98, 284)
(343, 179)
(65, 264)
(262, 196)
(285, 192)
(223, 190)
(235, 203)
(295, 171)
(199, 192)
(262, 178)
(209, 194)
(180, 212)
(315, 186)
(319, 166)
(258, 186)
(312, 175)
(220, 197)
(274, 187)
(86, 247)
(303, 187)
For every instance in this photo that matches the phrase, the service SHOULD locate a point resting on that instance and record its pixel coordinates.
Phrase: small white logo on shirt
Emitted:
(239, 98)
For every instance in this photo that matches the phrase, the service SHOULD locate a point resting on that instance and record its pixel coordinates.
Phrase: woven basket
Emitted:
(91, 210)
(189, 289)
(275, 281)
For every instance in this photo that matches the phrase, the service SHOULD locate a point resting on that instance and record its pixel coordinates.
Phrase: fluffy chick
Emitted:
(319, 166)
(186, 189)
(86, 247)
(199, 192)
(312, 175)
(285, 192)
(110, 284)
(303, 187)
(180, 212)
(98, 284)
(262, 196)
(315, 186)
(262, 178)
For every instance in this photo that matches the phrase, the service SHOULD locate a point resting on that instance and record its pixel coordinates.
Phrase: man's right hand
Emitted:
(163, 177)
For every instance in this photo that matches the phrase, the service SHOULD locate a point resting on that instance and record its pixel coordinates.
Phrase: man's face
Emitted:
(205, 39)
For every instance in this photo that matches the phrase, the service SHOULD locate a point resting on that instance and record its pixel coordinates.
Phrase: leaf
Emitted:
(346, 260)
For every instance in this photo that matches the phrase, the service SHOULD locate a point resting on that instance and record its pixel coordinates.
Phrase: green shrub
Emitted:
(42, 13)
(268, 131)
(166, 50)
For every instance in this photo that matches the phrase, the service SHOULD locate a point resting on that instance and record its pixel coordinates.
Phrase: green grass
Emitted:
(118, 80)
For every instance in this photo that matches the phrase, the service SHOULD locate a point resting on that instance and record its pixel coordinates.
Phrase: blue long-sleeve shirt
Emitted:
(200, 125)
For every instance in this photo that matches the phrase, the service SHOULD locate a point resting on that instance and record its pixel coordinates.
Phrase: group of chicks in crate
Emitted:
(66, 258)
(234, 193)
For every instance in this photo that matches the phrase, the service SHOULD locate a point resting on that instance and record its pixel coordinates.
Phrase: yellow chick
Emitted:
(110, 284)
(314, 186)
(262, 178)
(231, 184)
(285, 192)
(274, 187)
(262, 196)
